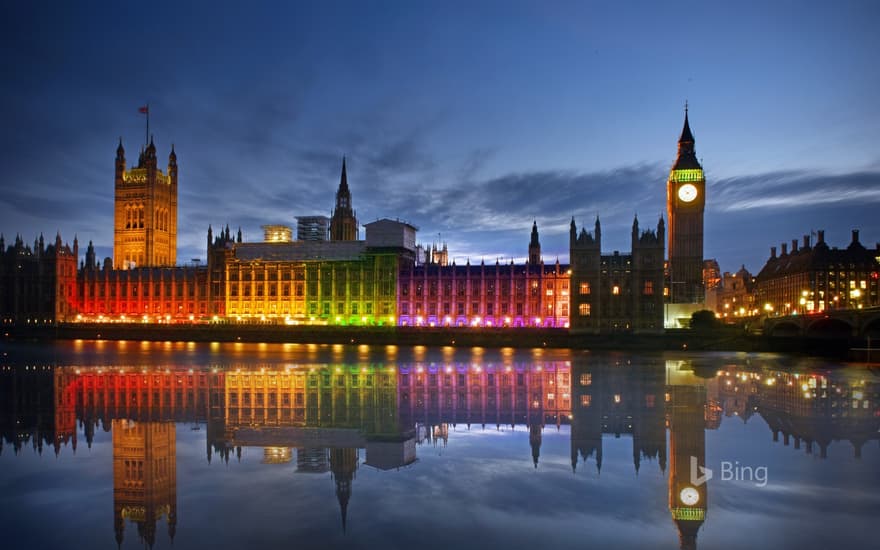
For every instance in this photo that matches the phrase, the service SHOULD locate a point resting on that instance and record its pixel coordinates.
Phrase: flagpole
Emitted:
(147, 137)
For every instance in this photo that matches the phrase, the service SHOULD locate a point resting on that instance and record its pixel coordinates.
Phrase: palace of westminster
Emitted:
(328, 275)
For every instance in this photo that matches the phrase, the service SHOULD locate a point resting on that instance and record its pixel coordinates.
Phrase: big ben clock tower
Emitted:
(685, 202)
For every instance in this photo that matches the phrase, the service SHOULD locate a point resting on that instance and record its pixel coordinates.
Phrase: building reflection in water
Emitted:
(144, 477)
(319, 419)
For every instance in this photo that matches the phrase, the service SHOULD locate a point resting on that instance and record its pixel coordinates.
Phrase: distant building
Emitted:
(277, 233)
(816, 278)
(312, 228)
(734, 296)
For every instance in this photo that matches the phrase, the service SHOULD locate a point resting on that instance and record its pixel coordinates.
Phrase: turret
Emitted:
(598, 233)
(120, 162)
(635, 231)
(573, 232)
(172, 166)
(534, 245)
(91, 261)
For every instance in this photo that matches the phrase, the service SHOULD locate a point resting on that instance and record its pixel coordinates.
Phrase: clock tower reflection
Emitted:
(688, 498)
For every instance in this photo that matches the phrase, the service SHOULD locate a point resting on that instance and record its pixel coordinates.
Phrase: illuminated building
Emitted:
(685, 202)
(817, 278)
(711, 274)
(499, 295)
(616, 292)
(734, 296)
(312, 228)
(345, 282)
(438, 255)
(145, 206)
(277, 233)
(157, 294)
(38, 285)
(343, 223)
(144, 478)
(484, 296)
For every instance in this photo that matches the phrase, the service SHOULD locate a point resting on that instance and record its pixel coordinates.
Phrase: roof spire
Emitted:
(343, 180)
(686, 135)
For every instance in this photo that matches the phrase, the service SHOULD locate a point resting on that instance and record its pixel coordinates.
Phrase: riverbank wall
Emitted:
(723, 339)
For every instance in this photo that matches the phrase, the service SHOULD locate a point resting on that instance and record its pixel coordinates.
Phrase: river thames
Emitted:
(153, 445)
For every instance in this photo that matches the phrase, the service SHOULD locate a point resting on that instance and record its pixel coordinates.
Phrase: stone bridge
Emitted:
(837, 323)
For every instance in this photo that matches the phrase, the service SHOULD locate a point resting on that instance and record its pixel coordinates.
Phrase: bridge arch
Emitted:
(785, 329)
(871, 327)
(829, 327)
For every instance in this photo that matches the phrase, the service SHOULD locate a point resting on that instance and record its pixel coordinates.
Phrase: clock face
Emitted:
(687, 192)
(689, 496)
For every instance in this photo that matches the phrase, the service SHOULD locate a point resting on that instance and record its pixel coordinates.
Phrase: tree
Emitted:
(704, 320)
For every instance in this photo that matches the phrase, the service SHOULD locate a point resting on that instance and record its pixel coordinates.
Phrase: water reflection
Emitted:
(322, 418)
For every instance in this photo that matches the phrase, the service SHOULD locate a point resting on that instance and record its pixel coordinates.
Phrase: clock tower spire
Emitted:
(685, 203)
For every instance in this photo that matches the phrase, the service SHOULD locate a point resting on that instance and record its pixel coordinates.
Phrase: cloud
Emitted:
(794, 189)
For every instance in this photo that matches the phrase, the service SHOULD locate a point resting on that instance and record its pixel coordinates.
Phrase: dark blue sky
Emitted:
(466, 119)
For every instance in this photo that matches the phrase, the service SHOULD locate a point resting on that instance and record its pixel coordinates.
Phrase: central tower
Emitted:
(685, 202)
(145, 212)
(343, 224)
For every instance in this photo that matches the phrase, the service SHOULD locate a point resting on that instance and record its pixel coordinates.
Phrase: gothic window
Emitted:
(585, 289)
(584, 310)
(649, 288)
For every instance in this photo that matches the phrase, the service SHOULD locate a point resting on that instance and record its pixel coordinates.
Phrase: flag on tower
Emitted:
(145, 110)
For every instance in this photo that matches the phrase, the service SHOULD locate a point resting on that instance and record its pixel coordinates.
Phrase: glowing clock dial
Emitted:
(687, 192)
(689, 496)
